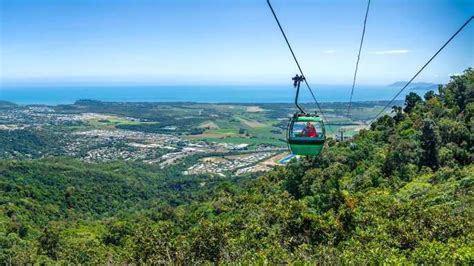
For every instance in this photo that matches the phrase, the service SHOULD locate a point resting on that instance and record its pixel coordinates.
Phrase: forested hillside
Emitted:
(401, 192)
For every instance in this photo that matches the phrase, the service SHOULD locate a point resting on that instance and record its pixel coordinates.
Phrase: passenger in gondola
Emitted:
(305, 130)
(312, 131)
(309, 131)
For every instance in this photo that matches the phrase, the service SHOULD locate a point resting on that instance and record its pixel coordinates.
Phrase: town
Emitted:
(79, 136)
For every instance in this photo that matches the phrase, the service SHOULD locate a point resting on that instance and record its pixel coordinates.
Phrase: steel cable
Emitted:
(425, 65)
(358, 59)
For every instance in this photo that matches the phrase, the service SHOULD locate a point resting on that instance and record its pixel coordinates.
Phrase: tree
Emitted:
(459, 92)
(429, 95)
(49, 242)
(154, 244)
(410, 102)
(402, 152)
(398, 114)
(385, 125)
(429, 144)
(462, 88)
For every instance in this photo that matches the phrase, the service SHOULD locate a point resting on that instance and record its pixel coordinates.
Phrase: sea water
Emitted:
(66, 94)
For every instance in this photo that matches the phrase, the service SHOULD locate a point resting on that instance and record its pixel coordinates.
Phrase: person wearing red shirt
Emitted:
(312, 132)
(309, 131)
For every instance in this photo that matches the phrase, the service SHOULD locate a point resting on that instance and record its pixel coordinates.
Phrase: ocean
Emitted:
(66, 94)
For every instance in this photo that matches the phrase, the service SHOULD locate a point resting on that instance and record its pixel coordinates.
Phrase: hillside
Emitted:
(400, 192)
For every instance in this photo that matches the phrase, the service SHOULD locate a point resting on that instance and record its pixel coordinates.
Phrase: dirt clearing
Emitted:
(209, 125)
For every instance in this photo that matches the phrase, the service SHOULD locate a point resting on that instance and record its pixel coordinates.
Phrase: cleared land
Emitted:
(251, 123)
(254, 109)
(209, 125)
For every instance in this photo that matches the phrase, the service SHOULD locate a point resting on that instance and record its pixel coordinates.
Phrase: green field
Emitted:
(115, 121)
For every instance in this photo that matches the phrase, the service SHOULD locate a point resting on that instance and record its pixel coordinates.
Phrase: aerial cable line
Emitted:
(419, 71)
(358, 59)
(298, 64)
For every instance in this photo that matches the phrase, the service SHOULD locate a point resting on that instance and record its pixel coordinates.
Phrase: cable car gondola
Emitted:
(306, 133)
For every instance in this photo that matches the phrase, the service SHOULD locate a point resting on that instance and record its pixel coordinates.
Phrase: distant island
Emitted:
(416, 85)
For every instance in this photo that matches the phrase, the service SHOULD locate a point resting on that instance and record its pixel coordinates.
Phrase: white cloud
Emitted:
(329, 51)
(396, 51)
(455, 74)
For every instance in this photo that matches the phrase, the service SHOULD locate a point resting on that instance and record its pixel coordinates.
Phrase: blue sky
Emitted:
(229, 42)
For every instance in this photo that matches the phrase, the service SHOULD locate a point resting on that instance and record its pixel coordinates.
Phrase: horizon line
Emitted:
(7, 84)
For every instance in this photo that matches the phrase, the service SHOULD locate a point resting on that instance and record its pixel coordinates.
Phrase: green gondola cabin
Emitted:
(306, 134)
